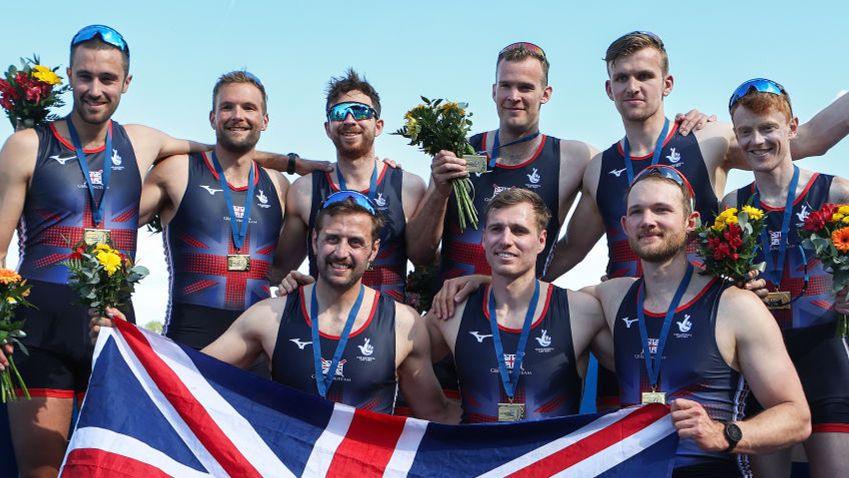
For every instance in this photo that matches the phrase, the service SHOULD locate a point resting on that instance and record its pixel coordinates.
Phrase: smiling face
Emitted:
(638, 84)
(764, 138)
(344, 246)
(97, 79)
(656, 222)
(238, 118)
(519, 92)
(354, 138)
(512, 240)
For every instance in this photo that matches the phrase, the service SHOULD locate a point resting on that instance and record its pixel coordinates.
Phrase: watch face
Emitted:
(733, 432)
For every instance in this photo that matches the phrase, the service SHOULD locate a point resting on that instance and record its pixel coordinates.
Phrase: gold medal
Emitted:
(511, 412)
(779, 299)
(475, 163)
(93, 236)
(238, 262)
(654, 397)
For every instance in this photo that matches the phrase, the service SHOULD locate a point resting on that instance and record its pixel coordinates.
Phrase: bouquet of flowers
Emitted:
(28, 93)
(435, 126)
(102, 276)
(13, 293)
(827, 232)
(730, 245)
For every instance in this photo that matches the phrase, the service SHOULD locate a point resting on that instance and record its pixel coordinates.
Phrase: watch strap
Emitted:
(290, 165)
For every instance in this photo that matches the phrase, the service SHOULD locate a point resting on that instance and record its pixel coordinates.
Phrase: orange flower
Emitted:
(840, 238)
(9, 277)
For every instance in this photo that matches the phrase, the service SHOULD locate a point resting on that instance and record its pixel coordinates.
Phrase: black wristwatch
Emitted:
(290, 166)
(733, 434)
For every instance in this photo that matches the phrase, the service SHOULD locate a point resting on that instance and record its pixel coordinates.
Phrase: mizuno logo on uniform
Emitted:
(685, 325)
(62, 160)
(477, 335)
(544, 340)
(367, 348)
(673, 156)
(211, 190)
(628, 322)
(617, 172)
(299, 343)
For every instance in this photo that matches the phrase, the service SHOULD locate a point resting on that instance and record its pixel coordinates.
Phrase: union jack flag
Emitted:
(154, 408)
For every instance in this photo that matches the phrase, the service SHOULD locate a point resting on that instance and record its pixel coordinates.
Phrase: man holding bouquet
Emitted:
(799, 292)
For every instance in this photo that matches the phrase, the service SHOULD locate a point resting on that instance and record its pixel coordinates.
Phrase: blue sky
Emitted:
(438, 49)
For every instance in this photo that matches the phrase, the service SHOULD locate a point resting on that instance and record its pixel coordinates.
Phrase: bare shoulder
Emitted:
(613, 288)
(743, 310)
(592, 174)
(142, 133)
(839, 191)
(412, 180)
(715, 130)
(171, 165)
(280, 182)
(574, 151)
(19, 151)
(299, 197)
(583, 300)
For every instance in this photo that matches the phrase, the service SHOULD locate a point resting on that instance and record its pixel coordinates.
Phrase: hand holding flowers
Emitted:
(102, 276)
(730, 245)
(28, 93)
(13, 292)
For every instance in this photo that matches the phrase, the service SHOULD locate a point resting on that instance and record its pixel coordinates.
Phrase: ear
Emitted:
(264, 122)
(608, 89)
(794, 127)
(694, 220)
(543, 238)
(623, 221)
(212, 118)
(668, 83)
(314, 239)
(327, 128)
(546, 94)
(494, 86)
(126, 85)
(68, 73)
(378, 127)
(375, 246)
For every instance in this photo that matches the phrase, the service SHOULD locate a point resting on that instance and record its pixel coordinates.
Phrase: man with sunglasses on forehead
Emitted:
(799, 292)
(353, 123)
(78, 178)
(338, 338)
(696, 342)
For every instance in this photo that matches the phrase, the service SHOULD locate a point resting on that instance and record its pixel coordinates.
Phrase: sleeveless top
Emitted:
(198, 240)
(462, 252)
(680, 152)
(692, 368)
(58, 207)
(816, 304)
(365, 377)
(388, 273)
(549, 385)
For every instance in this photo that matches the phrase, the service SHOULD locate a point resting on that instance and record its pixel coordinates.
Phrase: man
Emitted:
(72, 179)
(695, 341)
(800, 290)
(353, 123)
(387, 339)
(503, 375)
(222, 217)
(639, 80)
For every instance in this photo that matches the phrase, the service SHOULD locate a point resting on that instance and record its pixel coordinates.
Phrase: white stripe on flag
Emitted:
(240, 432)
(180, 427)
(553, 447)
(119, 444)
(406, 448)
(329, 440)
(620, 451)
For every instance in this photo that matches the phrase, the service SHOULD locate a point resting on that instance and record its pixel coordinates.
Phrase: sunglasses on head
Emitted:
(531, 47)
(107, 35)
(359, 111)
(667, 172)
(353, 196)
(760, 85)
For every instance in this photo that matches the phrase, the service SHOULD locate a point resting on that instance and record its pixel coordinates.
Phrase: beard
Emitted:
(672, 244)
(237, 146)
(358, 150)
(94, 118)
(356, 272)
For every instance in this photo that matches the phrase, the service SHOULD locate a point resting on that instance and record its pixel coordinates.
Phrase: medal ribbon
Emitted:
(96, 207)
(655, 158)
(372, 186)
(239, 232)
(778, 263)
(496, 145)
(510, 380)
(653, 363)
(322, 380)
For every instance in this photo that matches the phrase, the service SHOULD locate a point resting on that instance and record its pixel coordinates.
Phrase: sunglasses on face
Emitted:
(353, 196)
(667, 172)
(531, 47)
(761, 85)
(107, 35)
(359, 111)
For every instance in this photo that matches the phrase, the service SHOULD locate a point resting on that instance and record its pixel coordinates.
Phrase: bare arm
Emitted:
(292, 245)
(249, 335)
(589, 327)
(17, 163)
(824, 130)
(280, 162)
(421, 245)
(163, 189)
(415, 374)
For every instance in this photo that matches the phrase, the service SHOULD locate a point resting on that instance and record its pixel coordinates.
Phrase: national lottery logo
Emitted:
(534, 178)
(263, 199)
(380, 200)
(674, 156)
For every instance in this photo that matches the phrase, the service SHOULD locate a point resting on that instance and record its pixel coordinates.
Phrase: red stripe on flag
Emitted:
(192, 411)
(94, 463)
(594, 443)
(368, 445)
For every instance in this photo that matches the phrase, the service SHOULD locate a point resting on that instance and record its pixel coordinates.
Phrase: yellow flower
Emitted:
(837, 217)
(109, 260)
(719, 224)
(11, 300)
(103, 247)
(845, 220)
(46, 75)
(753, 212)
(843, 210)
(731, 220)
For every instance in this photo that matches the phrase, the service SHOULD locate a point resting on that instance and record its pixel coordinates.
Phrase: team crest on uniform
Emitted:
(534, 178)
(240, 211)
(263, 200)
(509, 362)
(673, 156)
(380, 200)
(544, 341)
(653, 345)
(684, 327)
(116, 160)
(495, 190)
(774, 239)
(96, 177)
(366, 349)
(340, 367)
